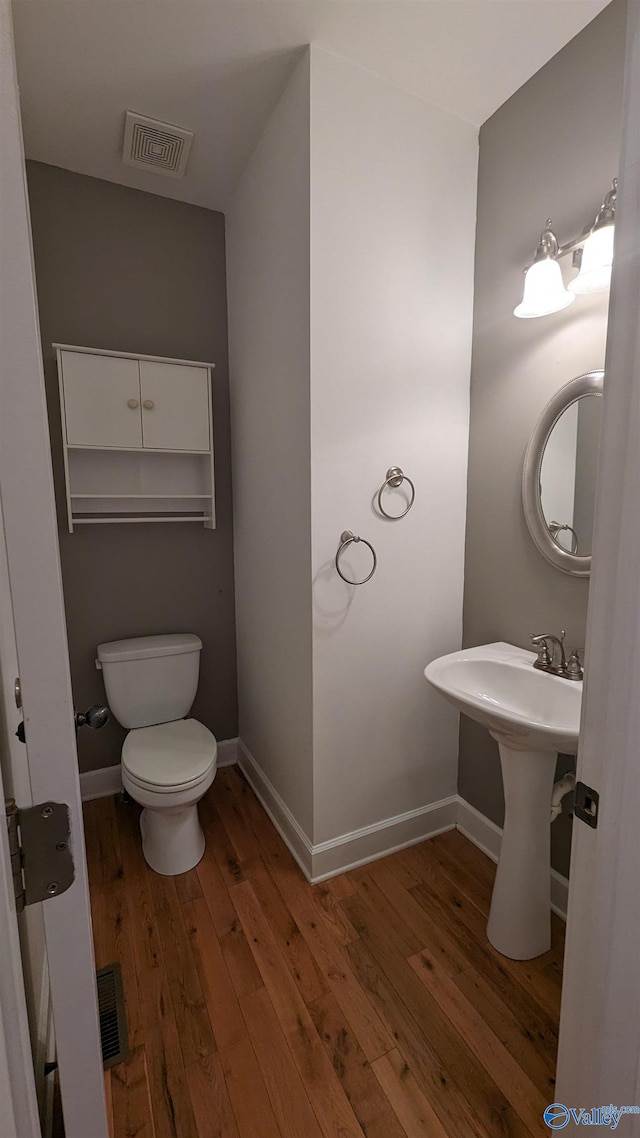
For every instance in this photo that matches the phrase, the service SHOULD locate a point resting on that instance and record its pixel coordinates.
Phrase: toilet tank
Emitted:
(150, 679)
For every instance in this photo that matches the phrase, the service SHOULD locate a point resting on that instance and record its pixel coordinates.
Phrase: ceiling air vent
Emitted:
(157, 147)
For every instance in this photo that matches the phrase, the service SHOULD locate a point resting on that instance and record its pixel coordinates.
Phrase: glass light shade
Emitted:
(597, 258)
(544, 290)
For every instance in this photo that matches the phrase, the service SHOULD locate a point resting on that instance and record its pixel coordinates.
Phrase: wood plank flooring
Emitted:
(262, 1007)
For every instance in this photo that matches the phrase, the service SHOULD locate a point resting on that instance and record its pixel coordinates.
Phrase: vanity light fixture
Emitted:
(597, 252)
(544, 290)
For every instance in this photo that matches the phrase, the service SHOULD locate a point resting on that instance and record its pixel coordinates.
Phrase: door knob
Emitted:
(148, 404)
(95, 717)
(133, 403)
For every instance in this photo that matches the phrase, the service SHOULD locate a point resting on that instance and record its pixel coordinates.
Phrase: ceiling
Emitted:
(217, 67)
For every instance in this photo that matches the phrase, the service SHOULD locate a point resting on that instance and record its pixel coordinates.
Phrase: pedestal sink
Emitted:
(532, 715)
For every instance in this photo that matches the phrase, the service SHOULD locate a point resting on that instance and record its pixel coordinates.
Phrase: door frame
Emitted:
(31, 535)
(599, 1052)
(18, 1102)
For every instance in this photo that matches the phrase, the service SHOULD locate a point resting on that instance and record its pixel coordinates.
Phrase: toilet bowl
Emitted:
(168, 761)
(167, 768)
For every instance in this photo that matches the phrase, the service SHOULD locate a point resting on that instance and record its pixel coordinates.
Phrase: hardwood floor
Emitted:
(262, 1007)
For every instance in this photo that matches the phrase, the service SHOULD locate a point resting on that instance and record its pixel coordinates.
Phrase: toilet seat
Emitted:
(169, 757)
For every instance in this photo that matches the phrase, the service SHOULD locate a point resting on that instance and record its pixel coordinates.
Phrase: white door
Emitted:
(28, 509)
(599, 1060)
(175, 406)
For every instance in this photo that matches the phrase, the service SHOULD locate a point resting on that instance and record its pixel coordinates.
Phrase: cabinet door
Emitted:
(101, 400)
(175, 406)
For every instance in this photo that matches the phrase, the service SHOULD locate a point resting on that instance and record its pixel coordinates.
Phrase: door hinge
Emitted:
(586, 804)
(41, 859)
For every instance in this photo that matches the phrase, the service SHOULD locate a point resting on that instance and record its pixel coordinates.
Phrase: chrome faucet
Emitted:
(555, 661)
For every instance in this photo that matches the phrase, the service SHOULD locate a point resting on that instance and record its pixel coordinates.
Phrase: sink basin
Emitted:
(498, 686)
(532, 715)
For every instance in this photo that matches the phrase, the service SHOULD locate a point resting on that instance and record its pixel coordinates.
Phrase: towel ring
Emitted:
(395, 477)
(347, 538)
(558, 527)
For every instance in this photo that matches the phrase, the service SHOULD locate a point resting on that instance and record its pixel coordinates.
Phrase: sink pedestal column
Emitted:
(520, 918)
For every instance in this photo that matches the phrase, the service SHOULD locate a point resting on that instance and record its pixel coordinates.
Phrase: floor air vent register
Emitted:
(113, 1024)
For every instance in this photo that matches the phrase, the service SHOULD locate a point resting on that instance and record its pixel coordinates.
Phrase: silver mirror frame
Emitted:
(588, 384)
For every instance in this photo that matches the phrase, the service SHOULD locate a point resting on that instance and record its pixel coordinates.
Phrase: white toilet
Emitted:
(168, 762)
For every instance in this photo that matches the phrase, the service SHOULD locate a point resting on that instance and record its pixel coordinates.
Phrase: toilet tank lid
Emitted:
(143, 647)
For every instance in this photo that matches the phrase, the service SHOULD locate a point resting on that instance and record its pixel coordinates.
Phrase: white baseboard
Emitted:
(227, 752)
(106, 781)
(101, 783)
(382, 838)
(488, 837)
(291, 833)
(479, 829)
(559, 894)
(326, 859)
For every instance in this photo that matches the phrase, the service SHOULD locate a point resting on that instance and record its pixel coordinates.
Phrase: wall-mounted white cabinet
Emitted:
(137, 438)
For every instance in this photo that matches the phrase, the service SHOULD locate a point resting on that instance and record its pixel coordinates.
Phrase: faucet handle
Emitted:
(573, 670)
(544, 659)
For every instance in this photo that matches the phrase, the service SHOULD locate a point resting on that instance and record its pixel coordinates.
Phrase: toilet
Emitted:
(168, 761)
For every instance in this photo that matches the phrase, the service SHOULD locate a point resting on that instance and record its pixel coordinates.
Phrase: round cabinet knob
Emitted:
(148, 404)
(133, 403)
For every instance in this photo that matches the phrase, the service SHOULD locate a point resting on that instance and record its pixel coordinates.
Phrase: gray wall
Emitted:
(550, 151)
(130, 271)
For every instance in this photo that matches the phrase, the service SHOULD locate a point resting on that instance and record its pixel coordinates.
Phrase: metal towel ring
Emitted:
(347, 538)
(395, 477)
(559, 527)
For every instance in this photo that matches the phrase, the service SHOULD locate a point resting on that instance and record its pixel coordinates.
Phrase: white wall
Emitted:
(350, 261)
(392, 237)
(268, 283)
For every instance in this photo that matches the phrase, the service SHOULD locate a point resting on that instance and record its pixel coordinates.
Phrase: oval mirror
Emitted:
(559, 477)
